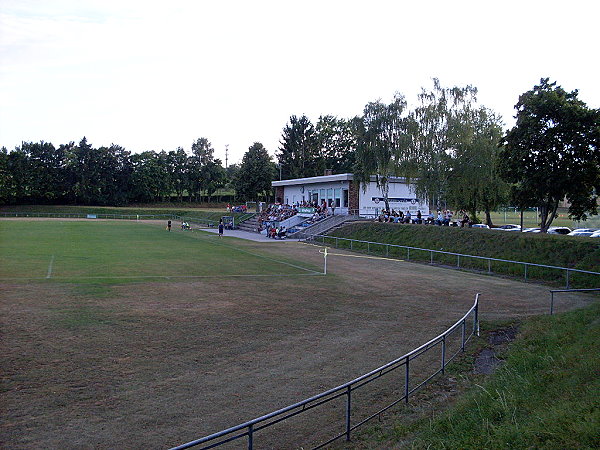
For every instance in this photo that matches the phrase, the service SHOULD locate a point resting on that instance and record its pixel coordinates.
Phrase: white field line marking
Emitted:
(100, 277)
(49, 274)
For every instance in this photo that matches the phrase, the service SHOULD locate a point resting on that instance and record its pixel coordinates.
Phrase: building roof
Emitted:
(330, 178)
(314, 180)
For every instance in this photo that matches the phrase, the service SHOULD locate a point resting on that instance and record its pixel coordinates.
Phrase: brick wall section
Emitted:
(353, 187)
(279, 194)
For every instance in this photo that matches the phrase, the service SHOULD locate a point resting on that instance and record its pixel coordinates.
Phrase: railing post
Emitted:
(476, 320)
(348, 407)
(525, 272)
(387, 250)
(458, 261)
(406, 381)
(368, 248)
(567, 278)
(463, 332)
(551, 302)
(443, 354)
(431, 257)
(489, 266)
(336, 242)
(351, 241)
(250, 437)
(408, 254)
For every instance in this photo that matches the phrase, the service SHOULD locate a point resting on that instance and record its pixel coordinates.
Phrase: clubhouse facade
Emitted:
(345, 194)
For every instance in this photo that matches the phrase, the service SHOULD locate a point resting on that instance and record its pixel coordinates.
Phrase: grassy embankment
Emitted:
(564, 251)
(545, 395)
(209, 214)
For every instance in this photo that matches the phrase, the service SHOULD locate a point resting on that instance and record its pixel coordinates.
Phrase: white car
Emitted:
(595, 234)
(532, 230)
(479, 225)
(582, 232)
(559, 230)
(509, 227)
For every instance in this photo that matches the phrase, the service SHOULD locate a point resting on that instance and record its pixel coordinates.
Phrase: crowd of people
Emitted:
(270, 217)
(407, 217)
(444, 218)
(275, 213)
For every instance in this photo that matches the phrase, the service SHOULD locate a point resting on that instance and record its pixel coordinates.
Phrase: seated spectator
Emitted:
(446, 220)
(440, 219)
(465, 220)
(419, 217)
(282, 232)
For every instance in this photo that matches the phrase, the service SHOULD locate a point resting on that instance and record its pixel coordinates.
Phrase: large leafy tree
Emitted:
(552, 152)
(336, 143)
(80, 165)
(474, 184)
(97, 175)
(255, 173)
(112, 175)
(299, 150)
(149, 177)
(6, 186)
(45, 169)
(438, 123)
(177, 163)
(202, 156)
(382, 143)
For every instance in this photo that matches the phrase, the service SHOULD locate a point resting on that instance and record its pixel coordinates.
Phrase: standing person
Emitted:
(169, 225)
(221, 228)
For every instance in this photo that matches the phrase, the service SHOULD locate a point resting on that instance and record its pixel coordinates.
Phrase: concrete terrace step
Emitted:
(250, 225)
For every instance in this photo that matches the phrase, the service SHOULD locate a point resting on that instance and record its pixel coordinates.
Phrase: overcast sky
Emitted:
(151, 75)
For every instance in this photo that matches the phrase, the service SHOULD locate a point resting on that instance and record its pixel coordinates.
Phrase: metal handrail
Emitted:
(552, 292)
(458, 255)
(346, 389)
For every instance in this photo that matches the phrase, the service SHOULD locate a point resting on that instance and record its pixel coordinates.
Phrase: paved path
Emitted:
(248, 235)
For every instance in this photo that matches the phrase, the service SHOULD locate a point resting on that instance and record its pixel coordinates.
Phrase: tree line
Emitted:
(453, 150)
(39, 172)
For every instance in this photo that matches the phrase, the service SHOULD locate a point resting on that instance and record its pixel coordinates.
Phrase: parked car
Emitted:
(559, 230)
(479, 225)
(595, 234)
(582, 232)
(509, 227)
(532, 230)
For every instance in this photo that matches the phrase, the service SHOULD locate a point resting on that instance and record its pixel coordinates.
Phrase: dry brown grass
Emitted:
(151, 365)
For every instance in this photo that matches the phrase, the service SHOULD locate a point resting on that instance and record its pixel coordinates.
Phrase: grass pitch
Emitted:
(126, 251)
(204, 333)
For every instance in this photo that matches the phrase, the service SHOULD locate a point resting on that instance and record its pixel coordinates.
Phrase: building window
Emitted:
(329, 197)
(345, 197)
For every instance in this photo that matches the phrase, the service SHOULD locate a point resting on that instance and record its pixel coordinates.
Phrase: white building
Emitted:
(344, 194)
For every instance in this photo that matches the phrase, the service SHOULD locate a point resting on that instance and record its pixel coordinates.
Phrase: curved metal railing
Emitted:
(346, 390)
(334, 241)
